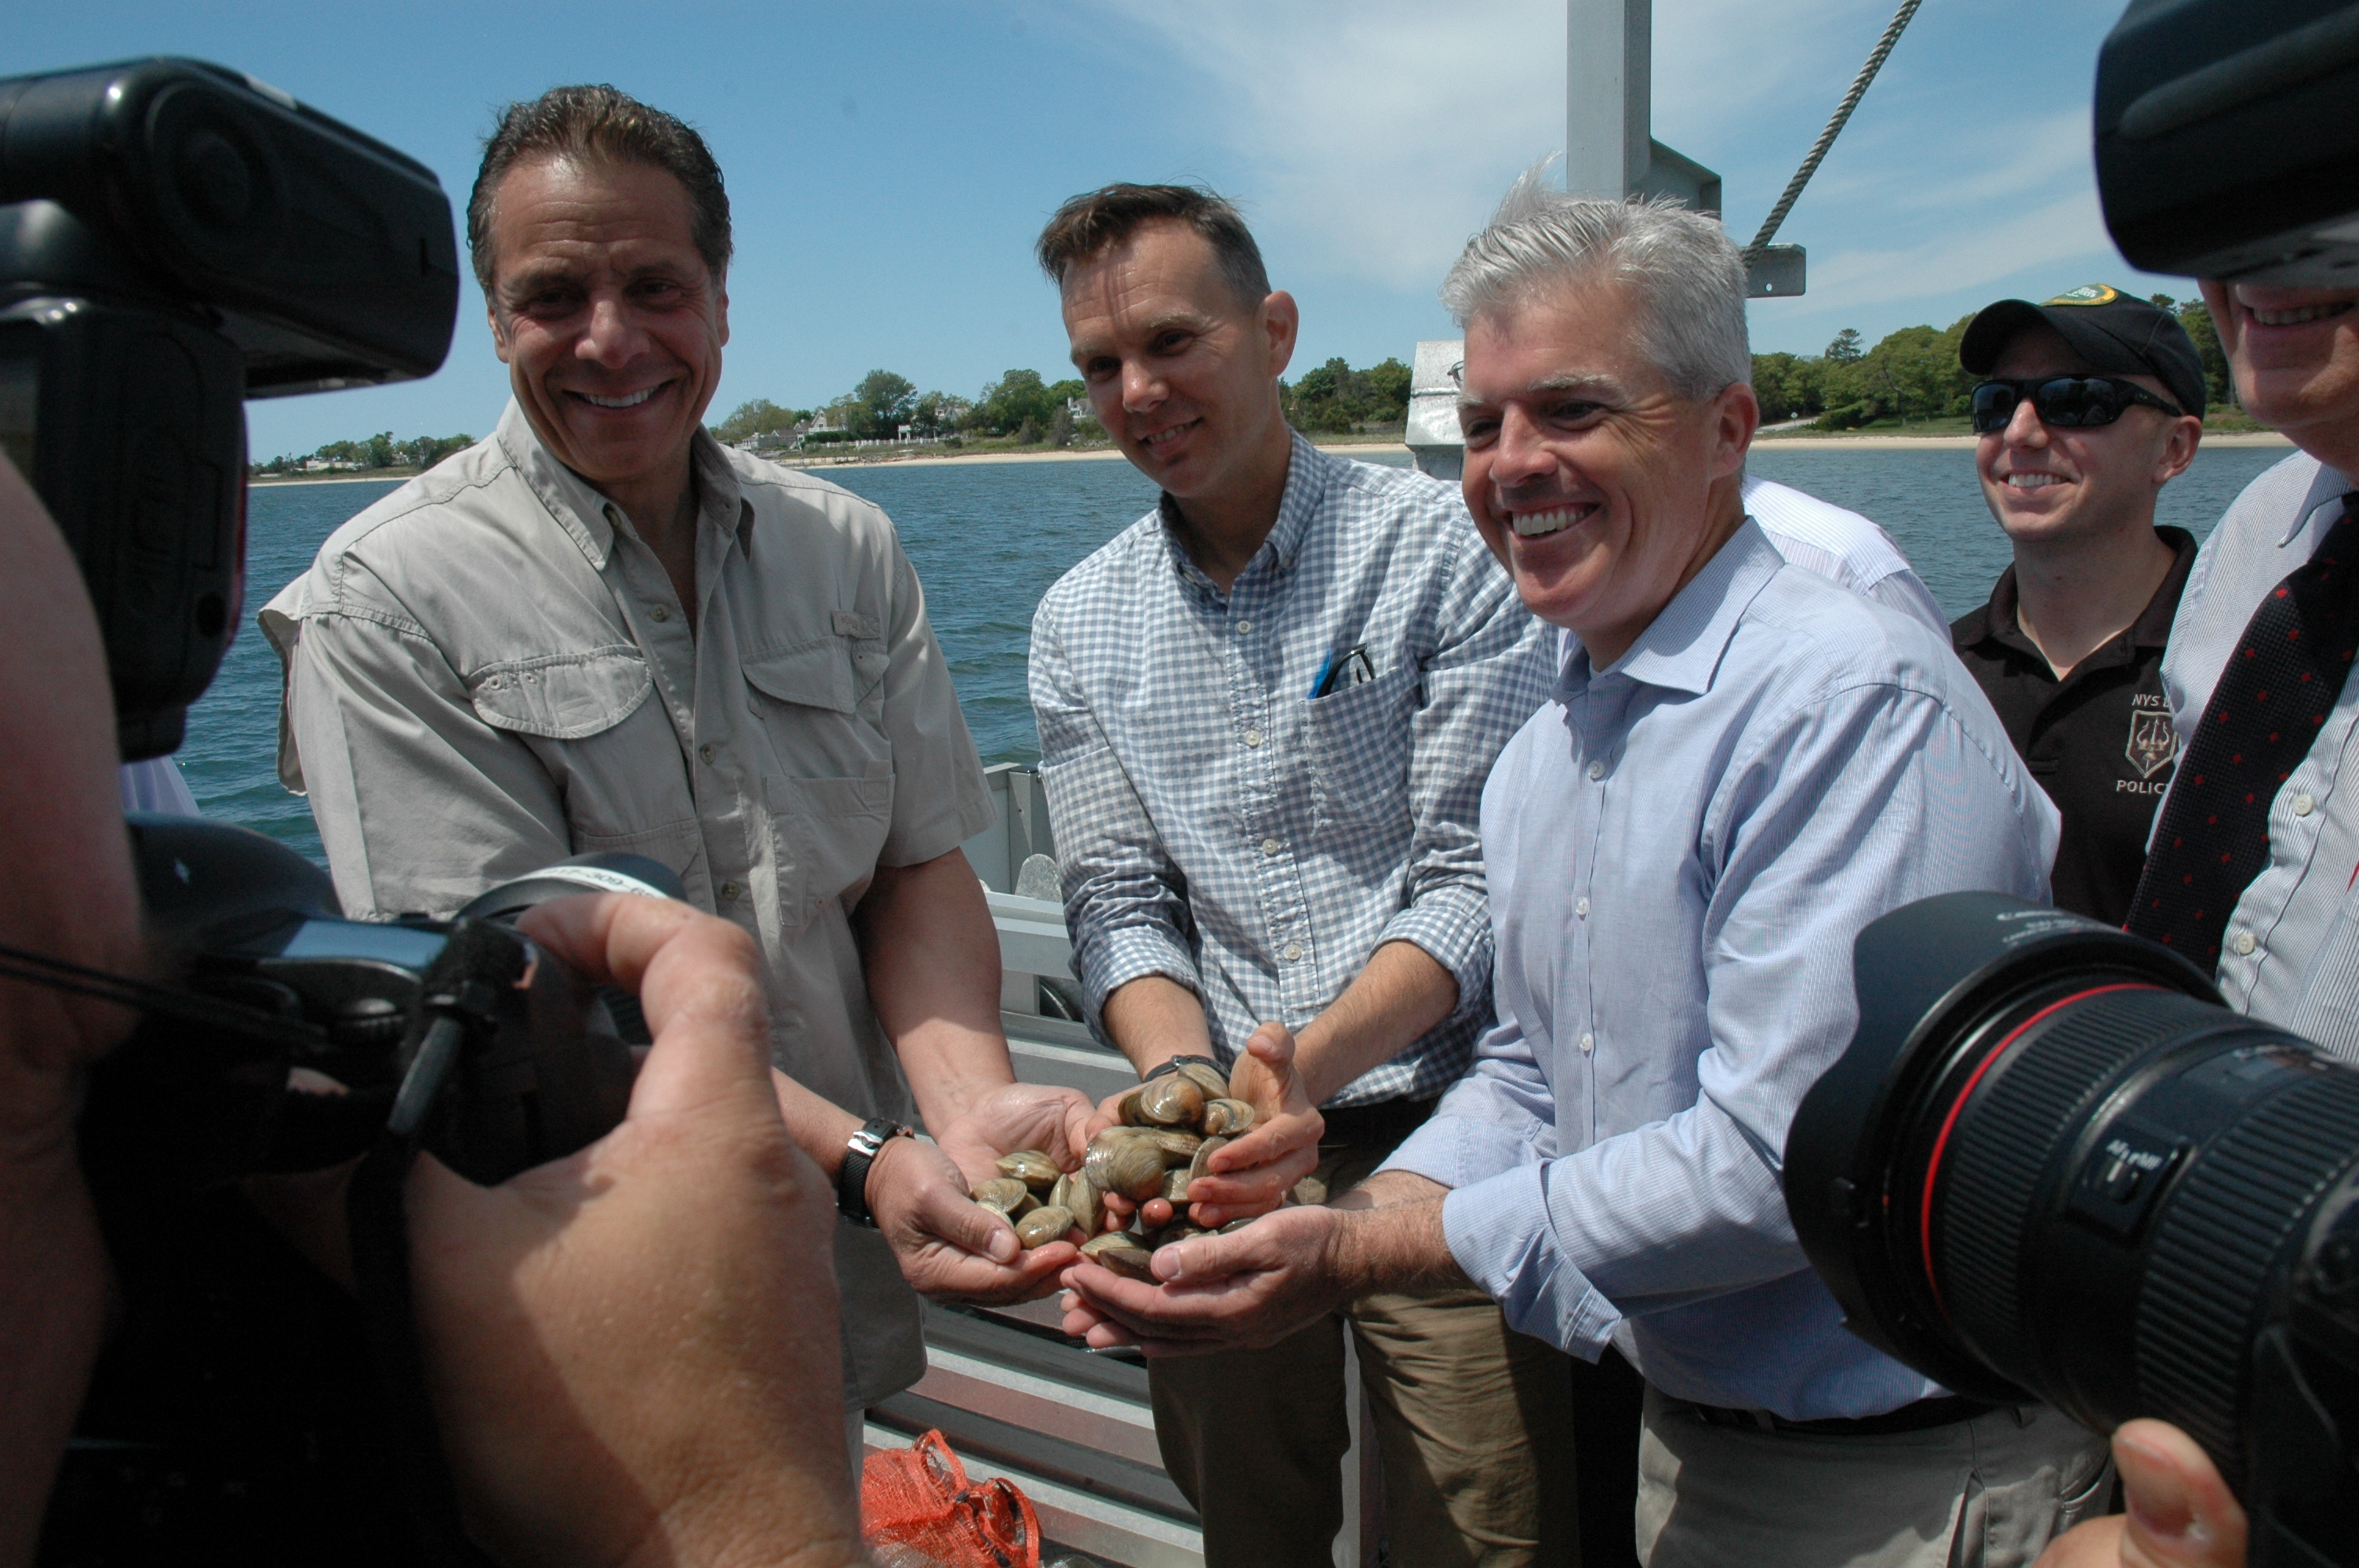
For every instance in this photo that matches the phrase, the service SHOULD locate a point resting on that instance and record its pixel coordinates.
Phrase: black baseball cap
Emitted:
(2113, 330)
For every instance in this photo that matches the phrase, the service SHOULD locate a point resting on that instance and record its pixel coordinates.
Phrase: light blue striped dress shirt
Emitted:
(1683, 847)
(1218, 825)
(2290, 954)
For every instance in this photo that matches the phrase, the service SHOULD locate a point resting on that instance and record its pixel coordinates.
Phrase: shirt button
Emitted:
(660, 613)
(2243, 944)
(1244, 627)
(1294, 952)
(1588, 1044)
(1597, 770)
(1253, 737)
(1270, 846)
(706, 752)
(2303, 805)
(1580, 908)
(729, 892)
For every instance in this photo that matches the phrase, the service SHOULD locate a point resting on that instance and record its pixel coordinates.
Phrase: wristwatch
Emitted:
(860, 1152)
(1171, 1065)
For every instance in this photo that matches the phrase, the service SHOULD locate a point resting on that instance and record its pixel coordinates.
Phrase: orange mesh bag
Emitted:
(919, 1511)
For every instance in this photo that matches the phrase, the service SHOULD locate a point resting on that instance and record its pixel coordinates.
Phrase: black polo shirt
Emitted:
(2100, 741)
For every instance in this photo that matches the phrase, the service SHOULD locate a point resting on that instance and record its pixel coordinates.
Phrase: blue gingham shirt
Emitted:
(1683, 845)
(1218, 825)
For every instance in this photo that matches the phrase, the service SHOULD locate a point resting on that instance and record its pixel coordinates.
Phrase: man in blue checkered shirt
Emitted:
(1266, 710)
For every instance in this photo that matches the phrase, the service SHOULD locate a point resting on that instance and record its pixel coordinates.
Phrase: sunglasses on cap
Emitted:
(2062, 402)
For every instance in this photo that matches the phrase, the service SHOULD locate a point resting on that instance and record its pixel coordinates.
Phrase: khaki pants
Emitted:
(1472, 1422)
(1985, 1493)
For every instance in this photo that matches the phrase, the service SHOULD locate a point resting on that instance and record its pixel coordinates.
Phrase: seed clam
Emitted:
(1230, 1117)
(1007, 1195)
(1079, 1195)
(1130, 1166)
(1123, 1253)
(1031, 1167)
(1171, 1100)
(1043, 1225)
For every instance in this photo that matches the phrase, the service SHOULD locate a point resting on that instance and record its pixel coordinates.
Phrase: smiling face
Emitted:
(1180, 371)
(2296, 355)
(2077, 484)
(608, 319)
(1601, 490)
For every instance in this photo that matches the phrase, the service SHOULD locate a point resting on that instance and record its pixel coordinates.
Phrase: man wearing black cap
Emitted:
(2090, 404)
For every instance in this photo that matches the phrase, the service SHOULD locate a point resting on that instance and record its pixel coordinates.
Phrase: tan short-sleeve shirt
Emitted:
(488, 671)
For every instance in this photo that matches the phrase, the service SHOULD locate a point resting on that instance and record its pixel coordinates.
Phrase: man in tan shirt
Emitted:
(599, 629)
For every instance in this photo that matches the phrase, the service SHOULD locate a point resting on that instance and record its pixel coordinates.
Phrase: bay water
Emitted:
(988, 539)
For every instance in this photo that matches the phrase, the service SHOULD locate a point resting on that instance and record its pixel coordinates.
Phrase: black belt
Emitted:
(1922, 1416)
(1393, 1118)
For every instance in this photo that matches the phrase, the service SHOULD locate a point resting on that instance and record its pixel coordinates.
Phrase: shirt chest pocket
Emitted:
(561, 696)
(1359, 744)
(828, 793)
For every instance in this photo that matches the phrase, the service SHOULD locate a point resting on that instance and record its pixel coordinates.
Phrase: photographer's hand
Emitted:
(2181, 1514)
(65, 870)
(632, 1351)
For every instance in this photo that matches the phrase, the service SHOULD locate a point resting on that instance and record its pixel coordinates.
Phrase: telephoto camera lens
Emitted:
(2051, 1167)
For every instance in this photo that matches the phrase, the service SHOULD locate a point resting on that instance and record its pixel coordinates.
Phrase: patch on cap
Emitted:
(2087, 294)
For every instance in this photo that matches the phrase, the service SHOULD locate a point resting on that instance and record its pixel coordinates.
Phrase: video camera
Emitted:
(176, 238)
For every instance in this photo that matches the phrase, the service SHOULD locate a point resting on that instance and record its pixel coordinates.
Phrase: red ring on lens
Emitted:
(1941, 1141)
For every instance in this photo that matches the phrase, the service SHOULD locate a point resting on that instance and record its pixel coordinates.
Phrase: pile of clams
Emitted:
(1170, 1128)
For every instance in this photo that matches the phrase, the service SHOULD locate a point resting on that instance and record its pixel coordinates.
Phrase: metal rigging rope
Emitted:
(1834, 127)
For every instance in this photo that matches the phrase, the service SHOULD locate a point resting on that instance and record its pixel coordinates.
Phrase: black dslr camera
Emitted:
(176, 238)
(2052, 1166)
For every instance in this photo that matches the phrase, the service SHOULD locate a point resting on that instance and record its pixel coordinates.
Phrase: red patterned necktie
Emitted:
(2281, 682)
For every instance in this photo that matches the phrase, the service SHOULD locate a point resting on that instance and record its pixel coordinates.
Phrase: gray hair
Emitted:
(1686, 277)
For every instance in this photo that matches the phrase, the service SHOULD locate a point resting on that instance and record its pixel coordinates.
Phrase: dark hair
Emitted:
(601, 122)
(1091, 224)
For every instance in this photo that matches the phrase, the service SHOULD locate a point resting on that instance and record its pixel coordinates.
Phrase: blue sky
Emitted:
(889, 163)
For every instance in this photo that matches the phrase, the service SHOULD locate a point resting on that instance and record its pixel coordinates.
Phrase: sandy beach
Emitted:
(1371, 448)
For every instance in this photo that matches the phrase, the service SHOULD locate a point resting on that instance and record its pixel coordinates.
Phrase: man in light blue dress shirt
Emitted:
(1740, 766)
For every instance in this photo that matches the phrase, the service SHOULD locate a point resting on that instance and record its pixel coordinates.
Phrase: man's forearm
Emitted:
(1153, 1019)
(1397, 997)
(1396, 1245)
(932, 961)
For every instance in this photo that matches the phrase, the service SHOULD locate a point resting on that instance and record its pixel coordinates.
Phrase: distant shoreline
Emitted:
(1108, 454)
(1094, 454)
(1966, 443)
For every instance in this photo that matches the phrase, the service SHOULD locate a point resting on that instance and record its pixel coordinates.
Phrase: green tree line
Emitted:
(1913, 373)
(1024, 405)
(378, 451)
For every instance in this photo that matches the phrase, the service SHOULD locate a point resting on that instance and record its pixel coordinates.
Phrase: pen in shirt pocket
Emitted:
(1340, 671)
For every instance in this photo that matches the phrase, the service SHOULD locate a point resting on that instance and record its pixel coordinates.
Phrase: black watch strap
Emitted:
(1172, 1065)
(860, 1152)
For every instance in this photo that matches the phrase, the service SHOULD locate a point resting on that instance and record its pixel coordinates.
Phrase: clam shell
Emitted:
(1171, 1100)
(1175, 1184)
(1232, 1117)
(1006, 1193)
(1079, 1195)
(1031, 1167)
(1122, 1252)
(1208, 1079)
(1131, 1166)
(1043, 1225)
(1233, 1226)
(1177, 1145)
(1202, 1165)
(1310, 1192)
